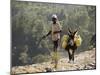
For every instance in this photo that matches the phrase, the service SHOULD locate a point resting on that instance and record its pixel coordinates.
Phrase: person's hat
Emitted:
(54, 16)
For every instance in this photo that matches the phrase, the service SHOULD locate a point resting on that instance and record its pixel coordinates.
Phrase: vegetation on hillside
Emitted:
(31, 20)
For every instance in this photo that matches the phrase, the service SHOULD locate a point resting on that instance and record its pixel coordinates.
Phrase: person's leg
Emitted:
(55, 45)
(59, 45)
(55, 53)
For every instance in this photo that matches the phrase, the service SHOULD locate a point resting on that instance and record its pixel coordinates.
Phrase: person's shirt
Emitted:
(56, 27)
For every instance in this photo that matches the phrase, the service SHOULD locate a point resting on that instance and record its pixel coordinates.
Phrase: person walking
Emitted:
(55, 32)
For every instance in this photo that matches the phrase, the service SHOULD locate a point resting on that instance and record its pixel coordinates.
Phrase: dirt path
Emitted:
(83, 60)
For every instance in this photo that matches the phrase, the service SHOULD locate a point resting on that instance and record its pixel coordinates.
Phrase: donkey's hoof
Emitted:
(48, 69)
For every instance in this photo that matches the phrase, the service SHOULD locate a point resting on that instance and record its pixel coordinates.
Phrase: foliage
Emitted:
(30, 21)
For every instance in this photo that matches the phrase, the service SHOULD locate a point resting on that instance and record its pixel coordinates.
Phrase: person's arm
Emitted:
(49, 33)
(57, 32)
(46, 34)
(44, 37)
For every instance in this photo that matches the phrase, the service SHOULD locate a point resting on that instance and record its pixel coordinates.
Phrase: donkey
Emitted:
(71, 46)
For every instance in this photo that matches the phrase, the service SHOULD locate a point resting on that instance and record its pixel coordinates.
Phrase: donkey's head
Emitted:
(71, 36)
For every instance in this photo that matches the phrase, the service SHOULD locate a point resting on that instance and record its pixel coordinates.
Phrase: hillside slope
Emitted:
(83, 60)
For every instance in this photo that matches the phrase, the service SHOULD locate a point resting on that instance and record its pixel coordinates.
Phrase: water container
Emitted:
(78, 40)
(64, 41)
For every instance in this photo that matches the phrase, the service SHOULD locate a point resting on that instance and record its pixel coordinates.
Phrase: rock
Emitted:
(48, 69)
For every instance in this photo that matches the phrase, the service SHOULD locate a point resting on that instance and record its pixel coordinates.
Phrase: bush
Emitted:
(40, 58)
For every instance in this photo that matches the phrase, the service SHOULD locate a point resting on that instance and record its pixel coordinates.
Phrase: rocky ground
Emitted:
(83, 61)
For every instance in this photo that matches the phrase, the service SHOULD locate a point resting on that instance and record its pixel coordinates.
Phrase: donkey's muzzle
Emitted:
(71, 43)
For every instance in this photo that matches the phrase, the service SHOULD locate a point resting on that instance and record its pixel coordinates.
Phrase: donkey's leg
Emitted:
(69, 56)
(73, 51)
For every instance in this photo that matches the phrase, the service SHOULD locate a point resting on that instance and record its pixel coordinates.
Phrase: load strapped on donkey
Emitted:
(77, 40)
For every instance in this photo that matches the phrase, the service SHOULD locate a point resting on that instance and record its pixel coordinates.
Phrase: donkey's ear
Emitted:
(75, 31)
(69, 30)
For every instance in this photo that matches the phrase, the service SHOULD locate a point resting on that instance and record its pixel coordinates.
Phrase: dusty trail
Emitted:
(83, 60)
